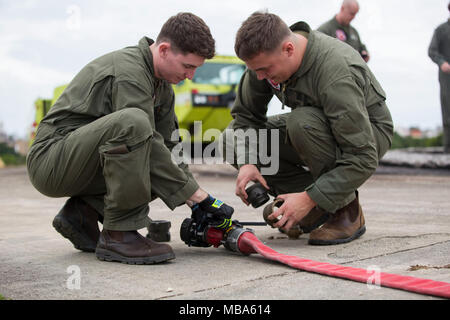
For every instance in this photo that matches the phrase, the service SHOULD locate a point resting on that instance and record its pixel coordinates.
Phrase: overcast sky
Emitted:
(44, 43)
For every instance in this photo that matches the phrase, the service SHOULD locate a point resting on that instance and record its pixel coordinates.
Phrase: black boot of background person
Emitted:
(78, 222)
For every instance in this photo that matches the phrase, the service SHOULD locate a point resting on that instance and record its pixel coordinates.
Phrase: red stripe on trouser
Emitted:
(249, 243)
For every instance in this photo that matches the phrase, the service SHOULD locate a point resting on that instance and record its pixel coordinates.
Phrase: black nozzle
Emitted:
(192, 235)
(257, 195)
(187, 230)
(159, 230)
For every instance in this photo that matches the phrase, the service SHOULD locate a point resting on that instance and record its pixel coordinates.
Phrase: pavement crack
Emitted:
(398, 251)
(274, 276)
(169, 296)
(212, 288)
(230, 284)
(195, 291)
(419, 267)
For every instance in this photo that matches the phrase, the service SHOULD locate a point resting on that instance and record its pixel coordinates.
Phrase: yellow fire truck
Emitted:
(204, 100)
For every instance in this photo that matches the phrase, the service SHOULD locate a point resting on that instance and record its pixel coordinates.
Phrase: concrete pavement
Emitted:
(408, 228)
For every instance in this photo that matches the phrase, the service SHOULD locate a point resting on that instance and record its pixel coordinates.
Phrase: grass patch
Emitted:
(3, 298)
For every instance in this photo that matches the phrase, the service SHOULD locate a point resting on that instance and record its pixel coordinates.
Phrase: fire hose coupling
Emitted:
(257, 195)
(206, 235)
(232, 240)
(293, 233)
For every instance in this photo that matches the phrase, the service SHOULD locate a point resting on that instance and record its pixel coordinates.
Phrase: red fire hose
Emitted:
(247, 243)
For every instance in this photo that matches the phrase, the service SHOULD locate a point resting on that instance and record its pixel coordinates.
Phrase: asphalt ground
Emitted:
(408, 232)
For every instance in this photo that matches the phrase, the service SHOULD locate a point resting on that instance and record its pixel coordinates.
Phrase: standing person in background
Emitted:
(339, 27)
(439, 52)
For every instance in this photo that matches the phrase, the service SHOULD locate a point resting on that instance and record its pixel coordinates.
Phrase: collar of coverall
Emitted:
(304, 29)
(144, 45)
(337, 24)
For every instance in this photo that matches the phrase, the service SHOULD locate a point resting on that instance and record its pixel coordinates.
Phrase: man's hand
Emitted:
(247, 173)
(445, 67)
(294, 208)
(213, 211)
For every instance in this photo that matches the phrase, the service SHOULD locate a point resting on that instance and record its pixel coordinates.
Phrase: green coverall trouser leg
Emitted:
(444, 80)
(108, 163)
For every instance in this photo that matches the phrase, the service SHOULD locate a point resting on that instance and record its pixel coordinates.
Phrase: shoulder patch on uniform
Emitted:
(340, 34)
(274, 85)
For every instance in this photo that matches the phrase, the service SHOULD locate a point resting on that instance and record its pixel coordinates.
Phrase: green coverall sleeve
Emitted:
(324, 28)
(433, 50)
(362, 46)
(167, 126)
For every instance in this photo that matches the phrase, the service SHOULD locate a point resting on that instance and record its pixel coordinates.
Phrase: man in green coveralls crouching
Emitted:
(331, 141)
(106, 143)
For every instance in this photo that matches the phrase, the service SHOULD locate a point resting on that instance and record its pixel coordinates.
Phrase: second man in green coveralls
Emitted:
(106, 143)
(331, 141)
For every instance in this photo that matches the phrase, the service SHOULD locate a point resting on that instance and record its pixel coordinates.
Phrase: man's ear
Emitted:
(164, 49)
(288, 48)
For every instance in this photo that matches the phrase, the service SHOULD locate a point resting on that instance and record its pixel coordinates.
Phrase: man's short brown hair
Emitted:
(188, 33)
(261, 32)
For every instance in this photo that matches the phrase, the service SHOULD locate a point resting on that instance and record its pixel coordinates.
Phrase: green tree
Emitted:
(408, 142)
(9, 155)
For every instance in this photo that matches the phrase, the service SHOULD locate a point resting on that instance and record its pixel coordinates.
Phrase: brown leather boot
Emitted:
(77, 221)
(346, 225)
(314, 219)
(131, 247)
